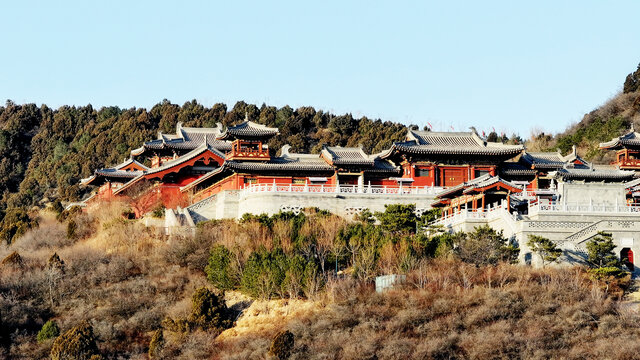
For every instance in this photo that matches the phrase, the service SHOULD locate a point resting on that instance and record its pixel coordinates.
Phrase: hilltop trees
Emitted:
(45, 152)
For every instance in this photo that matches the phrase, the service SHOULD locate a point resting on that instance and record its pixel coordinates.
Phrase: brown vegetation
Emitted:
(123, 281)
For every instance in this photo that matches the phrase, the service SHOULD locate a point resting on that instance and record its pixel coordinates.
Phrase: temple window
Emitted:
(423, 172)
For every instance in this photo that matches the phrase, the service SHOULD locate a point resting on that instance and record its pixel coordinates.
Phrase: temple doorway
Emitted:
(626, 256)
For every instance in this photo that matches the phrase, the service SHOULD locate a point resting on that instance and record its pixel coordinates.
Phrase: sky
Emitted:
(510, 65)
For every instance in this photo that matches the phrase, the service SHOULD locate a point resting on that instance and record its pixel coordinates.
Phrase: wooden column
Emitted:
(482, 201)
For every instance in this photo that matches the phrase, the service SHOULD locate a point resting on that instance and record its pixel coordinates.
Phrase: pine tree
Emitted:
(545, 248)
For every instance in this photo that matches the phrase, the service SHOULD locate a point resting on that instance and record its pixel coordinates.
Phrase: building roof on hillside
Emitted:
(477, 185)
(465, 143)
(186, 138)
(128, 162)
(553, 160)
(338, 155)
(593, 174)
(490, 182)
(186, 157)
(117, 172)
(630, 139)
(516, 169)
(460, 187)
(248, 130)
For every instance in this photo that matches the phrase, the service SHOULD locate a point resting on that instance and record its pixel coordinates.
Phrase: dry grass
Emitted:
(459, 311)
(125, 280)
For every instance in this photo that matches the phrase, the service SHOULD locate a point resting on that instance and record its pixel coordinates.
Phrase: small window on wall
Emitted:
(299, 181)
(250, 180)
(479, 173)
(423, 172)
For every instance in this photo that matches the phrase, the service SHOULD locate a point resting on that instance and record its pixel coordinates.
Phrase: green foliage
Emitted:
(600, 251)
(596, 131)
(545, 248)
(15, 223)
(49, 330)
(77, 343)
(264, 273)
(365, 216)
(219, 270)
(398, 218)
(158, 212)
(485, 246)
(208, 311)
(607, 272)
(282, 345)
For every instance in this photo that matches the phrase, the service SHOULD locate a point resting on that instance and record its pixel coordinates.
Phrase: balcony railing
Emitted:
(635, 163)
(545, 206)
(342, 189)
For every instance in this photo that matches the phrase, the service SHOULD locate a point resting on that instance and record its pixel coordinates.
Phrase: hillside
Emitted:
(609, 120)
(93, 284)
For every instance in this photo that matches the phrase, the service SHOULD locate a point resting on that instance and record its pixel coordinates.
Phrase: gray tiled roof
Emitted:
(463, 185)
(552, 160)
(515, 169)
(118, 173)
(630, 139)
(339, 155)
(490, 181)
(249, 130)
(187, 138)
(593, 174)
(186, 157)
(466, 143)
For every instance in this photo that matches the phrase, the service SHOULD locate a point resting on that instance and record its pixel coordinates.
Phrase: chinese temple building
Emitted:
(448, 158)
(478, 194)
(627, 148)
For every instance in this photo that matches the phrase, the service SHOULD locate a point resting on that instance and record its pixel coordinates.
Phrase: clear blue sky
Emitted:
(510, 65)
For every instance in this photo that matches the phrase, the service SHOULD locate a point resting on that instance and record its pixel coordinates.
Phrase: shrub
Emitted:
(264, 273)
(398, 218)
(13, 259)
(282, 345)
(485, 246)
(15, 223)
(208, 311)
(69, 213)
(72, 229)
(219, 270)
(603, 273)
(77, 343)
(158, 212)
(49, 330)
(156, 344)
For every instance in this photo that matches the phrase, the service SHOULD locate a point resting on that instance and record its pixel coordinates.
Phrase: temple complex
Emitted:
(198, 174)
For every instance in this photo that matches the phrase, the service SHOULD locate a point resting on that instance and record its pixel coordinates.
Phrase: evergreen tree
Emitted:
(545, 248)
(600, 251)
